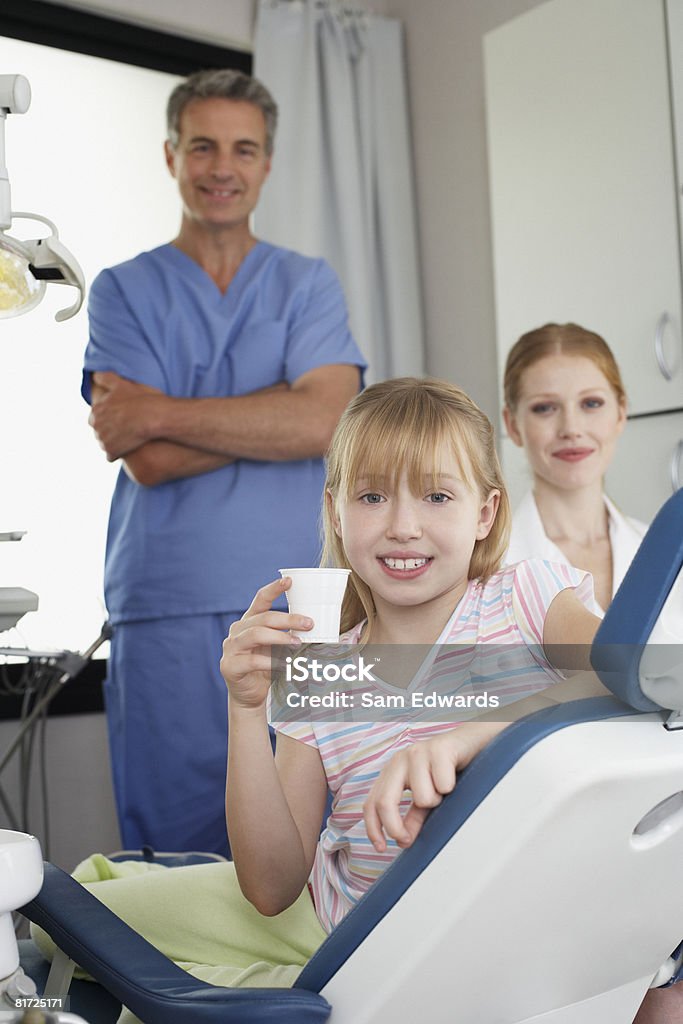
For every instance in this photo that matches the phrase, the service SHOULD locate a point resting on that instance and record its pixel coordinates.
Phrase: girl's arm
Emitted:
(568, 633)
(429, 767)
(274, 807)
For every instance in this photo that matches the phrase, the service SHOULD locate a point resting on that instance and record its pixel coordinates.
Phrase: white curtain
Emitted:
(342, 185)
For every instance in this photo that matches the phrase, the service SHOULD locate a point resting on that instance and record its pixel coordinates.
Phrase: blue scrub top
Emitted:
(205, 544)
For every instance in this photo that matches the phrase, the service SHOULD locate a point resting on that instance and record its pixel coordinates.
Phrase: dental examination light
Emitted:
(28, 266)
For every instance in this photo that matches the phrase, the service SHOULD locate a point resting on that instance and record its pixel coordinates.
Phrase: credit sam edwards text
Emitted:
(304, 670)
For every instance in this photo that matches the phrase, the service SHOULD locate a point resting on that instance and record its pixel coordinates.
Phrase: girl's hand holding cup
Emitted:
(246, 662)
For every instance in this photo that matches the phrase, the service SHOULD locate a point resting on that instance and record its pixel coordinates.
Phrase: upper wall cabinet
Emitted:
(583, 183)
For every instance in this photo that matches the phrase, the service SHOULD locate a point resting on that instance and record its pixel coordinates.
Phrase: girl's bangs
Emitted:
(383, 452)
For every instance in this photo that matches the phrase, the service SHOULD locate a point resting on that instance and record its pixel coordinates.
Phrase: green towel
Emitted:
(198, 917)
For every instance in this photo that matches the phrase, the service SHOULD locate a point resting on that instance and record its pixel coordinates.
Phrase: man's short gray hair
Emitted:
(228, 85)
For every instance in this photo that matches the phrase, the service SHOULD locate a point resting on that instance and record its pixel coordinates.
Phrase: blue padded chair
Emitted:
(545, 888)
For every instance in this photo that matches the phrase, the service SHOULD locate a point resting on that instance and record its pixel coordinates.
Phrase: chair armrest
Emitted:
(625, 631)
(142, 978)
(475, 782)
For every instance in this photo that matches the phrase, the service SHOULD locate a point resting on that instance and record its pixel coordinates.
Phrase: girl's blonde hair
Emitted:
(399, 426)
(558, 339)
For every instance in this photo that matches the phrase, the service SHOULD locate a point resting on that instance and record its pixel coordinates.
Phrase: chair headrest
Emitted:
(641, 664)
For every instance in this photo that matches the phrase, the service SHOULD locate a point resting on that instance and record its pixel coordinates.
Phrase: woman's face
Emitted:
(568, 419)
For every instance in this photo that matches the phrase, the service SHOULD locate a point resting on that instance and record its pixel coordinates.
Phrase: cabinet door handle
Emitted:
(676, 459)
(666, 371)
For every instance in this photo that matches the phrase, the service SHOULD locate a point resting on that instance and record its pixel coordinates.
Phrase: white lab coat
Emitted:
(529, 540)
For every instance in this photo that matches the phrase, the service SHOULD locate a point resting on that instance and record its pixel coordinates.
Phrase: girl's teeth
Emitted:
(405, 563)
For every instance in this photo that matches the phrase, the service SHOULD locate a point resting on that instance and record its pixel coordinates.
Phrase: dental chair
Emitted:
(546, 888)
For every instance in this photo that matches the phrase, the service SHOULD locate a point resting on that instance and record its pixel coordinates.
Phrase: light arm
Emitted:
(273, 807)
(568, 633)
(280, 424)
(159, 461)
(294, 424)
(274, 810)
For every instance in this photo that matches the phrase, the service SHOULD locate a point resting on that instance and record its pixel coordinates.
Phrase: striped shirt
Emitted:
(507, 612)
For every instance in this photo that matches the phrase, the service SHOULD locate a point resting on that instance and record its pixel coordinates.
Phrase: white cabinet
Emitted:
(583, 186)
(648, 465)
(674, 16)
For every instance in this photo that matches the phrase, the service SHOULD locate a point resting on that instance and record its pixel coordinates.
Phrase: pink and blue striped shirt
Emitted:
(500, 623)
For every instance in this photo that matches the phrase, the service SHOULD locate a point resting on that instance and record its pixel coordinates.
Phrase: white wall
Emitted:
(446, 88)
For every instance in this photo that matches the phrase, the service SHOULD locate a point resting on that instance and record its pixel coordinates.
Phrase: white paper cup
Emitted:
(317, 593)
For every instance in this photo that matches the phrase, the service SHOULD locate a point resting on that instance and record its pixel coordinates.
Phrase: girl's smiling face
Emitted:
(414, 547)
(568, 419)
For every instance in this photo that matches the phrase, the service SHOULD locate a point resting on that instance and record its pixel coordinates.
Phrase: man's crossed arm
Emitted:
(161, 438)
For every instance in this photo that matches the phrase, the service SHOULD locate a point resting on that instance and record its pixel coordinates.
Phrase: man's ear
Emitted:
(332, 509)
(487, 514)
(169, 154)
(511, 426)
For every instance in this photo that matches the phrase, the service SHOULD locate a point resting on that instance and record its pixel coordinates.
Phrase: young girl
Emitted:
(416, 508)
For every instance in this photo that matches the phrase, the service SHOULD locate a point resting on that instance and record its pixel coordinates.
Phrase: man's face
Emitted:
(220, 162)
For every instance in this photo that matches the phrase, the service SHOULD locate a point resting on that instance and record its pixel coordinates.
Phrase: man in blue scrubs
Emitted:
(217, 368)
